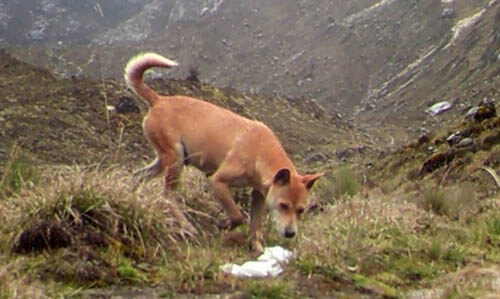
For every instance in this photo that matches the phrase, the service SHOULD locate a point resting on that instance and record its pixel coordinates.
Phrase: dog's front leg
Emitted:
(257, 212)
(224, 195)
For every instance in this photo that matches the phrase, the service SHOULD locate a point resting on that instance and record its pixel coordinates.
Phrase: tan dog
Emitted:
(234, 150)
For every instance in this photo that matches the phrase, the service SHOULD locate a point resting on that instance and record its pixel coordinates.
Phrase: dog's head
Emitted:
(287, 199)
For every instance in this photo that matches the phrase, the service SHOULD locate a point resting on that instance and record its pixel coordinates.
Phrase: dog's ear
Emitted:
(309, 179)
(282, 177)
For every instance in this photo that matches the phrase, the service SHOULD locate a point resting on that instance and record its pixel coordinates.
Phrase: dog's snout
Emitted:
(289, 233)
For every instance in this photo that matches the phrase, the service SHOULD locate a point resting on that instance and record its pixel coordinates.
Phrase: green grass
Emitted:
(18, 172)
(494, 226)
(129, 273)
(375, 286)
(310, 264)
(347, 184)
(267, 290)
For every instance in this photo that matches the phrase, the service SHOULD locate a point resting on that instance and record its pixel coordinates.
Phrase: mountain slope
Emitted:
(462, 69)
(345, 54)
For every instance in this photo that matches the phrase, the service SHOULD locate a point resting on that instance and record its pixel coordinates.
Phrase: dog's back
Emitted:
(203, 132)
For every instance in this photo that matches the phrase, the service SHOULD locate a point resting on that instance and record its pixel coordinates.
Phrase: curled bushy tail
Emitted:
(135, 69)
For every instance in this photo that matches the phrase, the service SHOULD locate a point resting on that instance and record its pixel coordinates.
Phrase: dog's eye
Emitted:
(284, 206)
(300, 211)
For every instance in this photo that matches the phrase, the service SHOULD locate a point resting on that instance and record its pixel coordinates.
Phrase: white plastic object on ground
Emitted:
(268, 264)
(438, 108)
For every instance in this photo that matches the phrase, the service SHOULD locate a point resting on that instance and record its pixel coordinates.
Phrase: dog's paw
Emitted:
(230, 224)
(256, 247)
(235, 238)
(224, 224)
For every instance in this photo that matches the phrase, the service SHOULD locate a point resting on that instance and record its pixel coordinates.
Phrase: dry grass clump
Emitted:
(96, 230)
(95, 203)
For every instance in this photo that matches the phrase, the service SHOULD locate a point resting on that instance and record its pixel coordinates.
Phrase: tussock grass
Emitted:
(346, 182)
(342, 184)
(434, 200)
(96, 231)
(98, 201)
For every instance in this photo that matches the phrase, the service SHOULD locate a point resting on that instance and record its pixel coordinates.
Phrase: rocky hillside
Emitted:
(367, 58)
(461, 68)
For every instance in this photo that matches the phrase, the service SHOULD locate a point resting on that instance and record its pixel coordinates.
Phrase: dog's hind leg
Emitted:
(172, 161)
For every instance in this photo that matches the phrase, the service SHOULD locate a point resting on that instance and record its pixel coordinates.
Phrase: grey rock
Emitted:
(448, 13)
(471, 112)
(315, 157)
(465, 142)
(454, 138)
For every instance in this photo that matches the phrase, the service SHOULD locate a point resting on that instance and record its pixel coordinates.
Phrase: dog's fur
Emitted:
(233, 150)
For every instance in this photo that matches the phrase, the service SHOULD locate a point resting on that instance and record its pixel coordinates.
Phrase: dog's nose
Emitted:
(289, 233)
